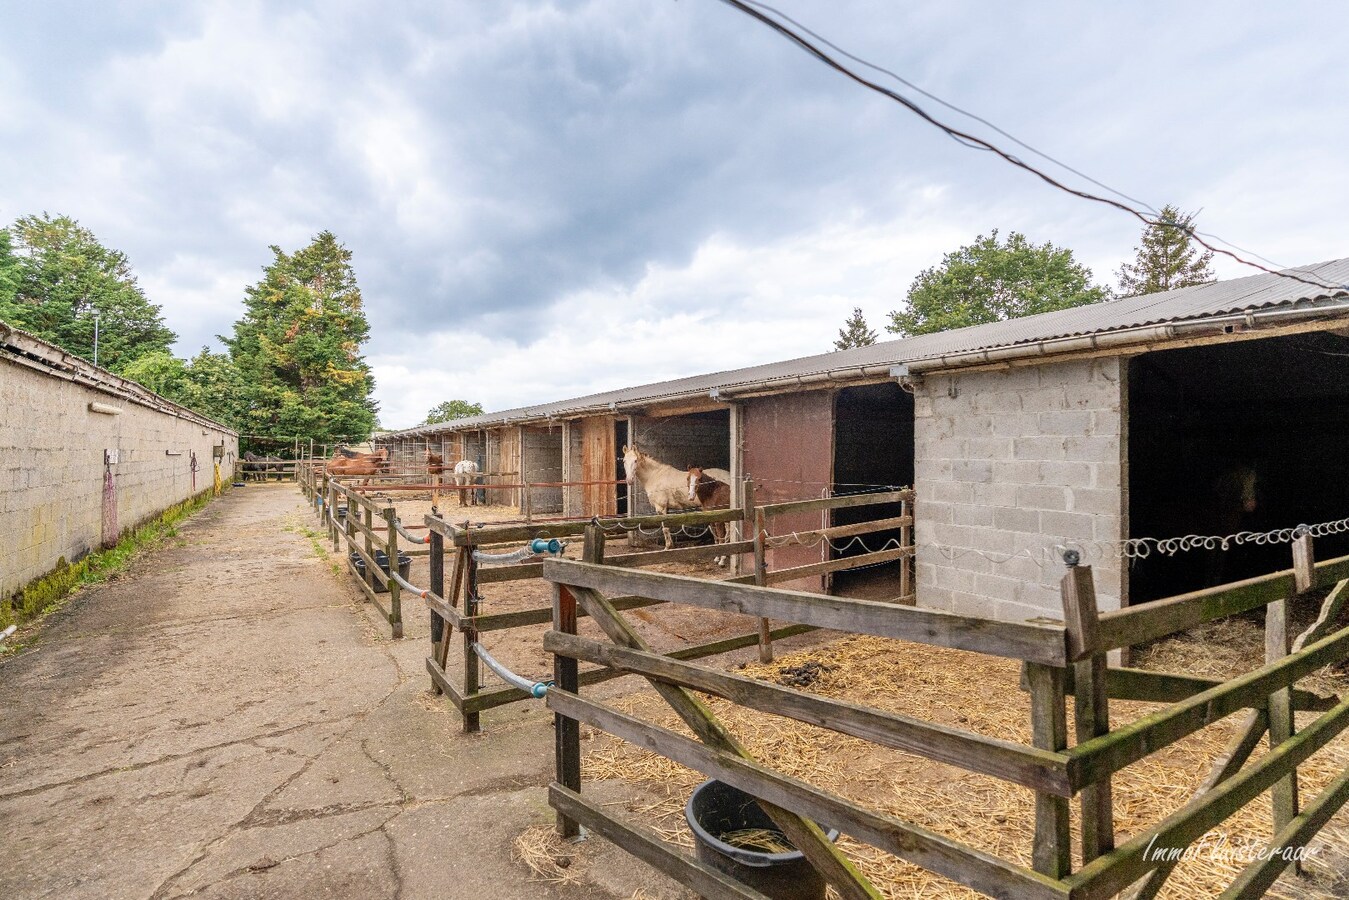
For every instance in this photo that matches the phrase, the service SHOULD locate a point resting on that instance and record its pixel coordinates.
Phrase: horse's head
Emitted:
(1249, 483)
(632, 457)
(695, 476)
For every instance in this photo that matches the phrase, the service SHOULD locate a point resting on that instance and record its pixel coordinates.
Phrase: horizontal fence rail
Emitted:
(1058, 661)
(459, 603)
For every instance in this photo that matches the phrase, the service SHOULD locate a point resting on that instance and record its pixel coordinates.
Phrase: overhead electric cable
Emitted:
(748, 7)
(951, 106)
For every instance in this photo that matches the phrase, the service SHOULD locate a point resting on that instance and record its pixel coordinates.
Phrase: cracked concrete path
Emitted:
(227, 719)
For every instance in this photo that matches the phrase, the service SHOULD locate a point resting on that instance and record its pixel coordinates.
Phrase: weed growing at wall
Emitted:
(42, 593)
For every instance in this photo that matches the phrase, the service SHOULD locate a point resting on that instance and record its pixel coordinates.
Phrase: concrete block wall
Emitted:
(683, 441)
(573, 498)
(1009, 463)
(541, 461)
(52, 465)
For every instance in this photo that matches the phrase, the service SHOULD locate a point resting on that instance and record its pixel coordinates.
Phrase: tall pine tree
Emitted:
(297, 349)
(855, 332)
(63, 275)
(1167, 258)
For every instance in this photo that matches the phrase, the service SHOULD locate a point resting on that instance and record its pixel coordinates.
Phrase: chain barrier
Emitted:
(1144, 547)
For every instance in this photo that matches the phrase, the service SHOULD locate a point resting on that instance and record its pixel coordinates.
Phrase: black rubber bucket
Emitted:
(715, 809)
(382, 560)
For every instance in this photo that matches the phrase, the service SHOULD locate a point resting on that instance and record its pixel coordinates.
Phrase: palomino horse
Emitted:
(666, 487)
(465, 476)
(711, 493)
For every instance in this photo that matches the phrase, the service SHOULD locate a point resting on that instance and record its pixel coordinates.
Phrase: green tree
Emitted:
(215, 387)
(297, 349)
(1168, 257)
(855, 332)
(990, 281)
(64, 274)
(452, 409)
(9, 277)
(165, 374)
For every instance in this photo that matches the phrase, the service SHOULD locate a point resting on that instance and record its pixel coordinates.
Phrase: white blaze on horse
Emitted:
(465, 476)
(710, 492)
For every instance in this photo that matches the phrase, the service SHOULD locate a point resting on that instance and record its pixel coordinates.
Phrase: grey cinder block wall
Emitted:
(1007, 463)
(52, 453)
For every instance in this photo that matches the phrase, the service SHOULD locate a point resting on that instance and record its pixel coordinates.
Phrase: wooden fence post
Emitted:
(436, 560)
(1052, 849)
(1091, 709)
(567, 731)
(395, 589)
(1283, 794)
(472, 723)
(761, 579)
(906, 564)
(746, 520)
(369, 518)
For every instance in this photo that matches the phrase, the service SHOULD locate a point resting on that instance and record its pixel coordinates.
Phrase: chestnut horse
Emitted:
(349, 462)
(711, 493)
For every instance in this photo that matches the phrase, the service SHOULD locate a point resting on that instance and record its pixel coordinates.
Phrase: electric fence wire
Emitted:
(752, 8)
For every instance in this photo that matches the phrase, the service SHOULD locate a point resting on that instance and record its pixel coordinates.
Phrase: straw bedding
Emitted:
(978, 693)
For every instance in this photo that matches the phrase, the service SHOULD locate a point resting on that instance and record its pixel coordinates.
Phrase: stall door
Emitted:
(789, 453)
(510, 470)
(597, 464)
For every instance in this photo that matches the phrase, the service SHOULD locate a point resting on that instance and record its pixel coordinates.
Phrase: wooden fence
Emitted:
(1058, 660)
(359, 526)
(461, 605)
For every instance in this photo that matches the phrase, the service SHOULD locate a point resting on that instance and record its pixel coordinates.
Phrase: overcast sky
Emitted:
(550, 199)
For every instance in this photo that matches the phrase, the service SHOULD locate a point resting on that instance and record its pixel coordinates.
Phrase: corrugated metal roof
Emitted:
(1185, 305)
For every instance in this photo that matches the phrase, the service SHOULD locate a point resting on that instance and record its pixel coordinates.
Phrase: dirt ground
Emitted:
(228, 719)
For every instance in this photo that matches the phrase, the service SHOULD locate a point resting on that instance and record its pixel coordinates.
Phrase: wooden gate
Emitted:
(597, 464)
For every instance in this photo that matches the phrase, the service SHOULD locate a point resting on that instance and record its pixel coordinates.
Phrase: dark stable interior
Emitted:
(873, 450)
(1248, 436)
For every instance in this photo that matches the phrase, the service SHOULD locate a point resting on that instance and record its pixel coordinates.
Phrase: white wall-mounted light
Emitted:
(104, 408)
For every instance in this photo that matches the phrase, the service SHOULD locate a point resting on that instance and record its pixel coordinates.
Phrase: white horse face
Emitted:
(630, 457)
(693, 484)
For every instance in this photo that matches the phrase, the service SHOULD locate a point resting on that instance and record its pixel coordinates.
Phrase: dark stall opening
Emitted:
(873, 450)
(691, 439)
(1243, 437)
(620, 443)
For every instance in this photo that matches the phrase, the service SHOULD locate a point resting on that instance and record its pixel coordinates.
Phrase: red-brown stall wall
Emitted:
(789, 453)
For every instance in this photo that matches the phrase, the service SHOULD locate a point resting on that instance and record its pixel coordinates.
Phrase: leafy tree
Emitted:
(452, 409)
(64, 274)
(215, 387)
(989, 281)
(1168, 257)
(9, 276)
(165, 374)
(855, 332)
(297, 349)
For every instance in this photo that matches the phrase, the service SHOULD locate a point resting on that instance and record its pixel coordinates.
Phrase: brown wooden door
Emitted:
(789, 452)
(597, 464)
(511, 470)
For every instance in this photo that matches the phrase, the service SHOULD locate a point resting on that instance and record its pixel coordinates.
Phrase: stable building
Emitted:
(1088, 427)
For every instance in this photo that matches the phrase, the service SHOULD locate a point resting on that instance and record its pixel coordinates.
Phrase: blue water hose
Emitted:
(536, 689)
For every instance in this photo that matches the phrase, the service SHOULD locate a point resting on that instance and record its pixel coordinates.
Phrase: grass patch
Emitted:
(41, 594)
